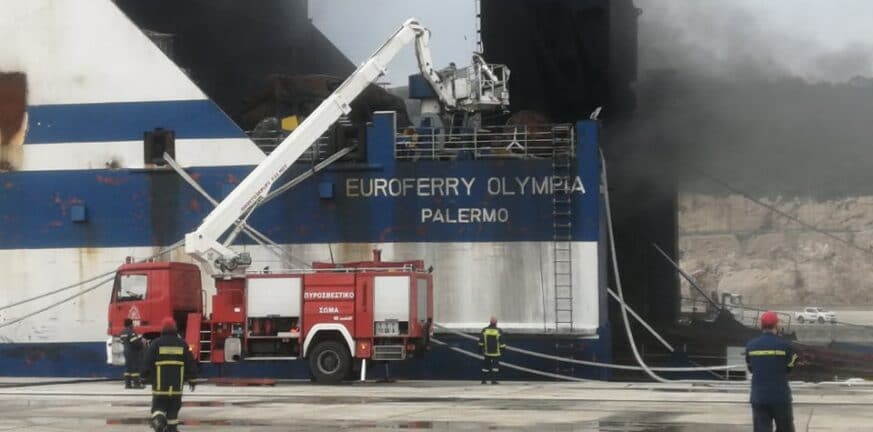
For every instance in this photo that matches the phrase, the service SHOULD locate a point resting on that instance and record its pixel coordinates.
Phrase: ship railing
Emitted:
(695, 306)
(267, 141)
(747, 315)
(500, 142)
(281, 271)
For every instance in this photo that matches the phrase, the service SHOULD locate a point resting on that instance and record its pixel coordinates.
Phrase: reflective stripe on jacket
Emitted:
(168, 363)
(770, 359)
(491, 341)
(132, 342)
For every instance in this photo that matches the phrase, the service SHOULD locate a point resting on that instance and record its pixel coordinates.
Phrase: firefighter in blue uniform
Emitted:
(491, 343)
(770, 358)
(168, 364)
(133, 345)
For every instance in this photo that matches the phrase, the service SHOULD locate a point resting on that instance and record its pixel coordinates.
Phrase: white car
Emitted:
(815, 314)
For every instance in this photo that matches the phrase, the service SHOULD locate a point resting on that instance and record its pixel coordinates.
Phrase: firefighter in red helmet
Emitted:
(168, 364)
(770, 358)
(492, 345)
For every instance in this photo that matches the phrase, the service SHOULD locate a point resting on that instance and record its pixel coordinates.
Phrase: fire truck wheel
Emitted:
(330, 362)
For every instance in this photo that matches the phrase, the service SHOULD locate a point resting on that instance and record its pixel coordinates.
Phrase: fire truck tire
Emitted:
(330, 362)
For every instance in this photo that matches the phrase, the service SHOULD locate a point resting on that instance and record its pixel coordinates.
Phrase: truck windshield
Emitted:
(131, 287)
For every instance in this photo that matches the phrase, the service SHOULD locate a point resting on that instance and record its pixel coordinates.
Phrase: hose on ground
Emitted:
(627, 326)
(593, 363)
(620, 298)
(511, 365)
(641, 321)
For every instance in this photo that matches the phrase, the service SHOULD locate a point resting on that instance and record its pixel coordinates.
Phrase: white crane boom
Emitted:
(203, 243)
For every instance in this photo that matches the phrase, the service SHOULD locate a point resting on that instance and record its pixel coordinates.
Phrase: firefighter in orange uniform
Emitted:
(168, 364)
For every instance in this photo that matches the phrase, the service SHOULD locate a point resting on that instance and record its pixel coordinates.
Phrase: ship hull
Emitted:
(83, 187)
(88, 359)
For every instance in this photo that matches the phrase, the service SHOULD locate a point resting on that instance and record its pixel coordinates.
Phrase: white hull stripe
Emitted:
(130, 154)
(473, 282)
(77, 52)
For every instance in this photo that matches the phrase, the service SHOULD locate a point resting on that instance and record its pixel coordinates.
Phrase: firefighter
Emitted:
(491, 343)
(133, 345)
(770, 358)
(168, 364)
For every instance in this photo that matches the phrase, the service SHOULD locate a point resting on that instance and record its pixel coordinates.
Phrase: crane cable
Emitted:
(620, 298)
(786, 215)
(627, 327)
(68, 287)
(643, 366)
(511, 365)
(781, 213)
(592, 363)
(54, 305)
(163, 251)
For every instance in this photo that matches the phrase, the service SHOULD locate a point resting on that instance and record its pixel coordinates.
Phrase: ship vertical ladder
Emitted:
(562, 236)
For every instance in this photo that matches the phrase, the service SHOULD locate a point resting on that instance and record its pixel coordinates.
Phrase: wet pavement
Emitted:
(431, 406)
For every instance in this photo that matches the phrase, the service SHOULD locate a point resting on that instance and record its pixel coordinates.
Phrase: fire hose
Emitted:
(619, 296)
(586, 362)
(511, 365)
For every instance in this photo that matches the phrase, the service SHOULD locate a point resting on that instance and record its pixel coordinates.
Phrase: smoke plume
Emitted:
(732, 95)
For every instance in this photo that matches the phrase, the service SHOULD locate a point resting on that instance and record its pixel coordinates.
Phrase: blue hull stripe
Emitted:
(88, 359)
(126, 121)
(461, 200)
(145, 208)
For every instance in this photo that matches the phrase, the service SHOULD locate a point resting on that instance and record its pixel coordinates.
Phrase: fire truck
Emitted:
(331, 315)
(335, 316)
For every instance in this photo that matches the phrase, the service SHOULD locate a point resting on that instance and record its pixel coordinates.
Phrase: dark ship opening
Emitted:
(260, 62)
(568, 58)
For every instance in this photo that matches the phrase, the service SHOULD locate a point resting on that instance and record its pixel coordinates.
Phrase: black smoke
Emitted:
(724, 93)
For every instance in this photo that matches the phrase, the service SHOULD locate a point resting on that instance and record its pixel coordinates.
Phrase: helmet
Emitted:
(769, 320)
(493, 320)
(168, 324)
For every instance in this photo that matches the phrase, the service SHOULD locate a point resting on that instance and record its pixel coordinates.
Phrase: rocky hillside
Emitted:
(731, 244)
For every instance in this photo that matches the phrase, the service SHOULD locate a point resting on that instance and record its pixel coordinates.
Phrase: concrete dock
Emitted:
(29, 405)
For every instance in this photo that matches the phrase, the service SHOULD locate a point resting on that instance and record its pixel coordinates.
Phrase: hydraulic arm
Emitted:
(203, 243)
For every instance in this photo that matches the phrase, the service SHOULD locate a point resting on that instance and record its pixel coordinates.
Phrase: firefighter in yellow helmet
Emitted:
(492, 345)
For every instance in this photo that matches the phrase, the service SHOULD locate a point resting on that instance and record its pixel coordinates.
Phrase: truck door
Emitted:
(130, 300)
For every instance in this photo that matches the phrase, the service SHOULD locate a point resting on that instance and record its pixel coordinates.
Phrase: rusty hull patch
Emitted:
(13, 119)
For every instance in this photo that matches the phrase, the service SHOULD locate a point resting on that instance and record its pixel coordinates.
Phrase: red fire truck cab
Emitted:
(333, 315)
